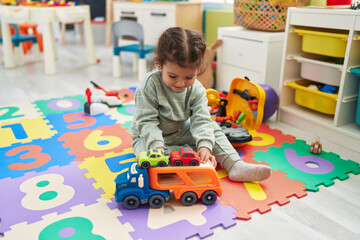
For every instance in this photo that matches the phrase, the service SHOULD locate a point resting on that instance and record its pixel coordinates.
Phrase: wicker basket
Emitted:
(267, 15)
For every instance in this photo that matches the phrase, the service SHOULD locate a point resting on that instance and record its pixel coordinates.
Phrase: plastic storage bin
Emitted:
(313, 99)
(323, 43)
(356, 71)
(319, 71)
(357, 117)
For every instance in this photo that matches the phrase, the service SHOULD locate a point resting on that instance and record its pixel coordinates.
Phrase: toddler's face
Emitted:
(178, 78)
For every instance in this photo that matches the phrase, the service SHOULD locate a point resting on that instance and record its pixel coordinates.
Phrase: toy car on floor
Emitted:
(153, 157)
(316, 146)
(185, 156)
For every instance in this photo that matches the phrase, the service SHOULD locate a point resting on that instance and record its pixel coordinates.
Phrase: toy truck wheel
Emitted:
(208, 197)
(156, 201)
(188, 198)
(145, 164)
(194, 163)
(161, 164)
(177, 163)
(131, 202)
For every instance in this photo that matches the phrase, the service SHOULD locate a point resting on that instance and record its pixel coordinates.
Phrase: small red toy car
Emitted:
(185, 156)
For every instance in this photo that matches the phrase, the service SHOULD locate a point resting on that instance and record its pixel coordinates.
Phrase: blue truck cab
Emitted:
(132, 188)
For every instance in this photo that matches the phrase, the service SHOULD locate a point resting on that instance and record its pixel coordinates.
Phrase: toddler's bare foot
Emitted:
(246, 172)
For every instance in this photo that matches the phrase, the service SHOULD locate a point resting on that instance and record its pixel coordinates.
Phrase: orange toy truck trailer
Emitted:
(188, 183)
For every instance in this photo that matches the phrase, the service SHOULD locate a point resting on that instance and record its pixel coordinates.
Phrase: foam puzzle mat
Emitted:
(58, 165)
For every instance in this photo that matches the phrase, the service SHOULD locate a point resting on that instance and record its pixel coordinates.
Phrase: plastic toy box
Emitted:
(313, 99)
(356, 71)
(323, 43)
(320, 71)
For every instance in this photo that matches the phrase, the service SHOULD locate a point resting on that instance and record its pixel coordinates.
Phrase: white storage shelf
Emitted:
(254, 54)
(340, 127)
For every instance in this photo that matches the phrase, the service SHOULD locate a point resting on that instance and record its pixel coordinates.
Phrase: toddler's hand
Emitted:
(205, 155)
(161, 148)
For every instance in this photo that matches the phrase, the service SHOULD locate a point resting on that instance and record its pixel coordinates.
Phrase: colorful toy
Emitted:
(132, 188)
(222, 107)
(236, 133)
(188, 183)
(94, 108)
(152, 185)
(242, 110)
(185, 156)
(355, 4)
(153, 157)
(213, 97)
(316, 146)
(271, 101)
(8, 2)
(329, 89)
(249, 98)
(100, 95)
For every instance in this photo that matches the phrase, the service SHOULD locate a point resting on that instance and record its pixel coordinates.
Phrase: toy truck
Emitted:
(153, 185)
(132, 188)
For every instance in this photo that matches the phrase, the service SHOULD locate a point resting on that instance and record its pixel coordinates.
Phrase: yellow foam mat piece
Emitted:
(25, 130)
(104, 177)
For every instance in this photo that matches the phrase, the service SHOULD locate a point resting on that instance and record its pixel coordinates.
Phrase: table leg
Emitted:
(53, 41)
(63, 34)
(49, 51)
(89, 41)
(7, 46)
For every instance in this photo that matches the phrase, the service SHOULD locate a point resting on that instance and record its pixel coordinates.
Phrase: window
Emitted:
(199, 178)
(169, 179)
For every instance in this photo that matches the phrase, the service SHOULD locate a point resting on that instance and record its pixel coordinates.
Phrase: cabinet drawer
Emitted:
(126, 13)
(227, 73)
(156, 22)
(242, 53)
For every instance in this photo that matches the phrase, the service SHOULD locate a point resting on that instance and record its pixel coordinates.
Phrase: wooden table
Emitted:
(46, 16)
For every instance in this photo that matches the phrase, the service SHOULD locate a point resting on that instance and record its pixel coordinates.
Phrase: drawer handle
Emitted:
(125, 12)
(158, 14)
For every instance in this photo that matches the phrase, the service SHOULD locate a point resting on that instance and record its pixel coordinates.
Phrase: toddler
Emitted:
(172, 111)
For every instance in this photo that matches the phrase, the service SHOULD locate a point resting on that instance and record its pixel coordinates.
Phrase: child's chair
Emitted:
(30, 28)
(135, 30)
(13, 18)
(18, 39)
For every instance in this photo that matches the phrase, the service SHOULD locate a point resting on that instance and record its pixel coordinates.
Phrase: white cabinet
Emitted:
(155, 17)
(254, 54)
(340, 126)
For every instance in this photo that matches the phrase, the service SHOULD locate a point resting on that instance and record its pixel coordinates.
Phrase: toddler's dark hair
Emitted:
(181, 46)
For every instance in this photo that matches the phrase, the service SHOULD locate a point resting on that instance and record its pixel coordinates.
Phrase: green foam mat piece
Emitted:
(296, 160)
